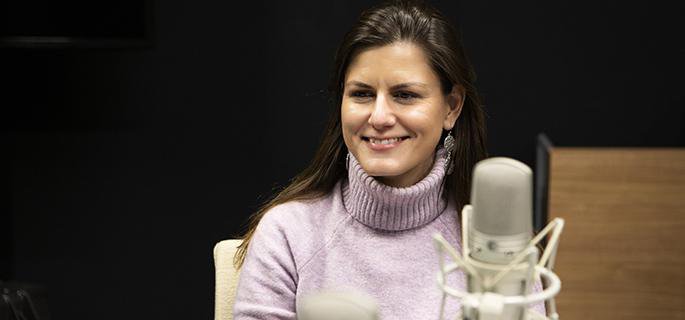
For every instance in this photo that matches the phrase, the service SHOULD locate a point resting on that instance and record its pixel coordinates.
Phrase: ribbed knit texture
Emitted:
(388, 208)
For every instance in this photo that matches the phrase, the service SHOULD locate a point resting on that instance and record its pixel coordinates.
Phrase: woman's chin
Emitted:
(379, 171)
(384, 176)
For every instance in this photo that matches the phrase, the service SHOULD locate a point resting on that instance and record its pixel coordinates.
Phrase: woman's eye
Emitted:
(402, 96)
(406, 95)
(361, 94)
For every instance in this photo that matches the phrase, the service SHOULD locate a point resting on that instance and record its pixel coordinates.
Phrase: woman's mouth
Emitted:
(380, 144)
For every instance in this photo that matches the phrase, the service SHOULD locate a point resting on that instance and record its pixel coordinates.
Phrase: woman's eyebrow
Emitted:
(408, 84)
(395, 87)
(358, 84)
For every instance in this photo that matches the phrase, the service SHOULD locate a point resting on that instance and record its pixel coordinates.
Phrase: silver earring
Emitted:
(449, 148)
(347, 161)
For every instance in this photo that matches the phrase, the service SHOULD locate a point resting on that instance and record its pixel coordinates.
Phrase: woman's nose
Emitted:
(382, 115)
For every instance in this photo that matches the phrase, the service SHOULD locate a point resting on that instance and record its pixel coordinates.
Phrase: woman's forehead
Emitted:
(391, 64)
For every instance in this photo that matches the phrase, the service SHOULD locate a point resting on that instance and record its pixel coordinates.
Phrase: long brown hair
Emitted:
(381, 25)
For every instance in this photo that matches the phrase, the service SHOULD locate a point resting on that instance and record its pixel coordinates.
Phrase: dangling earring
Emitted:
(449, 145)
(347, 161)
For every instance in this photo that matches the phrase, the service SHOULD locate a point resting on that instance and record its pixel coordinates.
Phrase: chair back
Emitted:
(226, 278)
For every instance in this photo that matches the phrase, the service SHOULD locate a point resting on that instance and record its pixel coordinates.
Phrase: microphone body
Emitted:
(500, 228)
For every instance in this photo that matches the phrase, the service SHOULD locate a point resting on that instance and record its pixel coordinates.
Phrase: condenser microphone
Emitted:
(500, 228)
(337, 305)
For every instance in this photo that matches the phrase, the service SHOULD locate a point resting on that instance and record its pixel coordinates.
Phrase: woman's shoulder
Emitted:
(300, 208)
(304, 225)
(302, 212)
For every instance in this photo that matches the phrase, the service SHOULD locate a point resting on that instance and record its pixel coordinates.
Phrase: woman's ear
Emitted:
(455, 102)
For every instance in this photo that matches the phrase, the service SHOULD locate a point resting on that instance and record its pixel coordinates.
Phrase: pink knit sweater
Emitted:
(364, 236)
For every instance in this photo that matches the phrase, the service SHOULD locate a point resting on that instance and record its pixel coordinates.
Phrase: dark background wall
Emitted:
(122, 167)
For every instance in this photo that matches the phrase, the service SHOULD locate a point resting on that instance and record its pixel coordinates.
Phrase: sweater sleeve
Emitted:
(268, 277)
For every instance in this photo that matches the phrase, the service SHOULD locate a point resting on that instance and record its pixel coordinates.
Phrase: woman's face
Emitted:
(393, 112)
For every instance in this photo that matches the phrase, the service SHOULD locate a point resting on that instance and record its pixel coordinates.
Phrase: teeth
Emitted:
(384, 141)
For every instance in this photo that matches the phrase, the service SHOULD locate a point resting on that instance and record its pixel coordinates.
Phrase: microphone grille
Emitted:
(501, 197)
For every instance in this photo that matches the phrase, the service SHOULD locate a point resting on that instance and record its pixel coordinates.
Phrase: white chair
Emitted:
(226, 278)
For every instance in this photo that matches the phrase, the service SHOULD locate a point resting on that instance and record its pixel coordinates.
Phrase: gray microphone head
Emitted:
(502, 204)
(332, 305)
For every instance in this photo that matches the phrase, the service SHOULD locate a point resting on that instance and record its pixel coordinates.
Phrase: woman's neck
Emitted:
(385, 207)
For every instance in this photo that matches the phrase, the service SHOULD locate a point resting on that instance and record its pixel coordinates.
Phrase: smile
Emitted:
(379, 144)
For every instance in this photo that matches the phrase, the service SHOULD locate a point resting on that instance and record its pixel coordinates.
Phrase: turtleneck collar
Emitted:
(389, 208)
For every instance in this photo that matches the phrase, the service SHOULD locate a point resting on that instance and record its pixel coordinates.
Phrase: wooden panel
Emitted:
(622, 253)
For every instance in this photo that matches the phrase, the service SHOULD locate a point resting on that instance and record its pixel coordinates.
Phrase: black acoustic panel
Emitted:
(541, 193)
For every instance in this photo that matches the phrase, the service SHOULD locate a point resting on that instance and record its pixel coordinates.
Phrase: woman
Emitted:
(393, 168)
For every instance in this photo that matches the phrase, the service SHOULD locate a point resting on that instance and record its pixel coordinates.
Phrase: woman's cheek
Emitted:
(354, 117)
